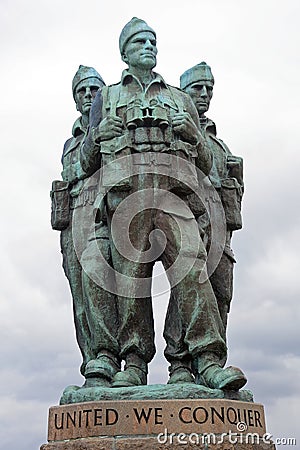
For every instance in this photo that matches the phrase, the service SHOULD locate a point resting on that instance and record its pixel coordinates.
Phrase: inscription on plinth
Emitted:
(129, 417)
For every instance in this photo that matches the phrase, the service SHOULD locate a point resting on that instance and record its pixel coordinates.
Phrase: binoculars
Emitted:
(140, 113)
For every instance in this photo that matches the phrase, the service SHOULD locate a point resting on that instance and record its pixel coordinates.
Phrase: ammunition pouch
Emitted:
(184, 179)
(235, 168)
(60, 205)
(85, 197)
(196, 204)
(149, 147)
(179, 172)
(188, 149)
(116, 170)
(231, 196)
(150, 136)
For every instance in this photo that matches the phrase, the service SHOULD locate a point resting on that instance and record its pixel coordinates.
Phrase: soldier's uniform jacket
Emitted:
(146, 115)
(220, 152)
(226, 176)
(69, 193)
(73, 172)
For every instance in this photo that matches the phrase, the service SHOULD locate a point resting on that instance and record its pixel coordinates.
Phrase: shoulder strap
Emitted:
(96, 110)
(176, 98)
(110, 95)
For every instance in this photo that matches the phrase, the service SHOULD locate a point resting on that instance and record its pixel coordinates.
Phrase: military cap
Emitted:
(83, 73)
(200, 72)
(134, 26)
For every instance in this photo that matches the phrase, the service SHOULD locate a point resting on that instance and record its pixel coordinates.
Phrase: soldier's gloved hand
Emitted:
(108, 128)
(184, 125)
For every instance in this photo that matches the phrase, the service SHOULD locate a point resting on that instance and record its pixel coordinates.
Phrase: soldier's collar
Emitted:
(78, 128)
(208, 124)
(127, 77)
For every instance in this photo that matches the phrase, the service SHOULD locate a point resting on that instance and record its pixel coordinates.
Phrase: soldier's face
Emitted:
(85, 94)
(201, 93)
(141, 51)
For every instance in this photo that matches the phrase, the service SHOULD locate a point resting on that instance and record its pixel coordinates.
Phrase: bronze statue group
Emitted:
(170, 148)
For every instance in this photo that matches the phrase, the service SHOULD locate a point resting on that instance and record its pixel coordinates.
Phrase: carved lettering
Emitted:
(221, 416)
(61, 423)
(257, 418)
(182, 414)
(239, 415)
(250, 418)
(232, 416)
(111, 416)
(97, 415)
(157, 416)
(142, 415)
(87, 412)
(245, 416)
(197, 414)
(71, 419)
(99, 420)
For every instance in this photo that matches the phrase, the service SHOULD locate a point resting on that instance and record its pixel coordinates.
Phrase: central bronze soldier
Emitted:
(150, 122)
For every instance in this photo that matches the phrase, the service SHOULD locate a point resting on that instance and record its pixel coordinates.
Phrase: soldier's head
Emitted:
(85, 85)
(198, 82)
(137, 45)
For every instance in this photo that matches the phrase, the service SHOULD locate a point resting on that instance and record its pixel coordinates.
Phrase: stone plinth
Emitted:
(214, 424)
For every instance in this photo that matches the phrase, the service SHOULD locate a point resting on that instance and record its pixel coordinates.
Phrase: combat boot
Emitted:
(100, 371)
(180, 372)
(209, 372)
(134, 373)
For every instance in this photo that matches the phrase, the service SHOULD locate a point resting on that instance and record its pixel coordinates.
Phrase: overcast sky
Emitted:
(253, 49)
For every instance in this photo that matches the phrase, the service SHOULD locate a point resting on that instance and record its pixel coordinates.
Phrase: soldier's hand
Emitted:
(184, 125)
(109, 127)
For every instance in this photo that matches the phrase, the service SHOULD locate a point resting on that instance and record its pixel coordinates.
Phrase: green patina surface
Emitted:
(172, 156)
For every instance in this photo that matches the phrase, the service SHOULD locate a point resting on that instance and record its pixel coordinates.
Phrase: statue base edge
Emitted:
(76, 394)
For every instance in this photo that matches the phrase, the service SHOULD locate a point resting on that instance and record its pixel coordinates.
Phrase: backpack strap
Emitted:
(176, 99)
(110, 96)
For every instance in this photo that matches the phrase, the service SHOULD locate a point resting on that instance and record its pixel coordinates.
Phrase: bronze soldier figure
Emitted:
(142, 121)
(95, 331)
(226, 176)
